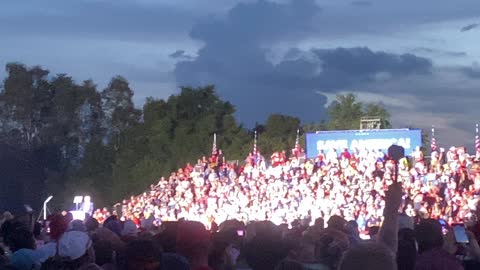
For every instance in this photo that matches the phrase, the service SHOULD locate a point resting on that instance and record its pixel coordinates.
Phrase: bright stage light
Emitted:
(48, 199)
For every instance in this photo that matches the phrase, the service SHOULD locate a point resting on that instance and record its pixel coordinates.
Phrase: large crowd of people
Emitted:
(350, 184)
(265, 214)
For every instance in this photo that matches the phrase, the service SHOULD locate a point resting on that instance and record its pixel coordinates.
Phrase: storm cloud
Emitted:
(235, 59)
(180, 54)
(266, 56)
(432, 51)
(469, 27)
(472, 72)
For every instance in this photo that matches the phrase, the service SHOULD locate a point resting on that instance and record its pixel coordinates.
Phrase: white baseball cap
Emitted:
(74, 244)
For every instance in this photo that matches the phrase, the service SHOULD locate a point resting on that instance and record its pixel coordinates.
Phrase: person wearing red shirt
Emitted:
(321, 156)
(275, 159)
(283, 158)
(345, 154)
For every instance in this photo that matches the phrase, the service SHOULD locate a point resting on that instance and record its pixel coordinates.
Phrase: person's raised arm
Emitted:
(388, 234)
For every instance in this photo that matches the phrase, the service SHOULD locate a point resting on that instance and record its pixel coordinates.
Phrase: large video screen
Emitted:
(362, 139)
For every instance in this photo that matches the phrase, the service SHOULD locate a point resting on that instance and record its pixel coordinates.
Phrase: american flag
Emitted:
(255, 145)
(477, 140)
(433, 144)
(214, 146)
(297, 142)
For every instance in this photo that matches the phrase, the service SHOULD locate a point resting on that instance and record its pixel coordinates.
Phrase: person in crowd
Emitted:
(129, 231)
(226, 246)
(352, 231)
(113, 224)
(143, 254)
(194, 243)
(371, 256)
(265, 251)
(104, 254)
(319, 224)
(4, 260)
(329, 248)
(6, 216)
(381, 253)
(73, 250)
(22, 243)
(58, 225)
(91, 225)
(77, 225)
(435, 252)
(174, 261)
(407, 249)
(289, 265)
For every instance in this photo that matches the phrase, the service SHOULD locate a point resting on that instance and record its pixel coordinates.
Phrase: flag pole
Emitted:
(297, 141)
(214, 146)
(255, 151)
(433, 144)
(297, 144)
(477, 142)
(255, 143)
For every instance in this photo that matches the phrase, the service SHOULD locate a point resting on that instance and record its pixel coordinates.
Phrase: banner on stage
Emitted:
(362, 139)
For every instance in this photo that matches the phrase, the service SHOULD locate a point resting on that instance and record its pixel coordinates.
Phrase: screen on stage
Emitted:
(362, 139)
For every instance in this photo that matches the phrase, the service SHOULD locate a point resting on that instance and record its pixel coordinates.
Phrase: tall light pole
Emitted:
(45, 207)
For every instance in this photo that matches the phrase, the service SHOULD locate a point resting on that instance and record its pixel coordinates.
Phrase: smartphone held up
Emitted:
(460, 233)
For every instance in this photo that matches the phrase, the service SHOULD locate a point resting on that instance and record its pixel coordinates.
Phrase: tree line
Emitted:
(86, 140)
